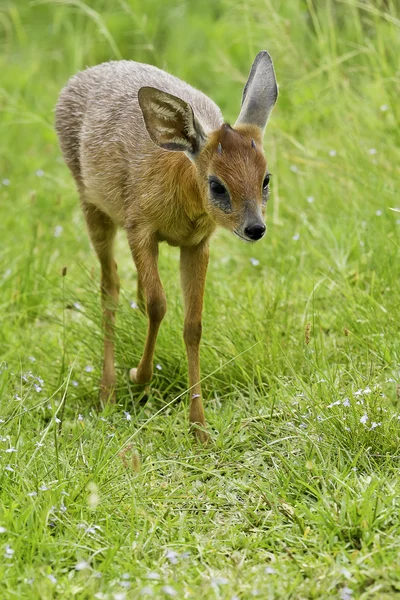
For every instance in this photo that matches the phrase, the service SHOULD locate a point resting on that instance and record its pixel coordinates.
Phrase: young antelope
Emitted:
(151, 154)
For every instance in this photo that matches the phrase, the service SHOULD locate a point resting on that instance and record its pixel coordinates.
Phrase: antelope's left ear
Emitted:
(260, 92)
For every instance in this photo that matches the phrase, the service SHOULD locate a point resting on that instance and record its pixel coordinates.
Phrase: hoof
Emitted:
(107, 395)
(133, 376)
(201, 435)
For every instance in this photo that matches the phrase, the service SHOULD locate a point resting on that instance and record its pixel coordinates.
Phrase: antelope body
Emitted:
(151, 154)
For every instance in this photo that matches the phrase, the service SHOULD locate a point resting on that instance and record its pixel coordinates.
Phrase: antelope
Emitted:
(151, 154)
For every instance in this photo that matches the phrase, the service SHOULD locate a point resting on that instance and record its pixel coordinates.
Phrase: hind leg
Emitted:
(102, 234)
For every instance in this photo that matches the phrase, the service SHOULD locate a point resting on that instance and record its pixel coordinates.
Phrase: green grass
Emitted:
(298, 493)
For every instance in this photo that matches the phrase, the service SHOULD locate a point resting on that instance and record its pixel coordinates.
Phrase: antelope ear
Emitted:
(260, 92)
(171, 122)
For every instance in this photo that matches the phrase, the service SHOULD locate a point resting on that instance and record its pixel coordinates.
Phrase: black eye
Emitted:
(265, 182)
(217, 188)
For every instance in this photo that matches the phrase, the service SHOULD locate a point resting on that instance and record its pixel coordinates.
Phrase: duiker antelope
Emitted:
(151, 154)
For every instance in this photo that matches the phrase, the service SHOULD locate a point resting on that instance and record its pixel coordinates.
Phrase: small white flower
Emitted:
(146, 591)
(334, 404)
(364, 419)
(9, 468)
(378, 213)
(269, 570)
(332, 152)
(346, 402)
(57, 420)
(40, 173)
(374, 425)
(296, 237)
(119, 595)
(9, 450)
(75, 383)
(32, 358)
(159, 367)
(172, 556)
(43, 488)
(294, 169)
(133, 305)
(77, 305)
(80, 417)
(168, 590)
(37, 387)
(18, 398)
(153, 575)
(8, 551)
(128, 416)
(310, 199)
(6, 181)
(3, 530)
(58, 231)
(89, 369)
(372, 151)
(384, 107)
(254, 262)
(125, 584)
(31, 494)
(80, 566)
(103, 419)
(63, 508)
(52, 578)
(346, 593)
(219, 581)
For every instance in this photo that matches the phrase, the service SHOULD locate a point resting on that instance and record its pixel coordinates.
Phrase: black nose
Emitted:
(255, 232)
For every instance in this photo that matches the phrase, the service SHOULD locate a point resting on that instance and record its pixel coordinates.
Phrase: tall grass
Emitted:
(297, 495)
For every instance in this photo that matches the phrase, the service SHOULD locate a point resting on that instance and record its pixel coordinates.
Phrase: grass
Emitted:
(298, 494)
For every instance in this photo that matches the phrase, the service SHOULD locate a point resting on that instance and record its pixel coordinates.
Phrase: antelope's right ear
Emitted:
(171, 122)
(260, 92)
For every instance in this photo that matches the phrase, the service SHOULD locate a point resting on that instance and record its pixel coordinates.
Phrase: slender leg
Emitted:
(140, 296)
(145, 255)
(102, 233)
(194, 262)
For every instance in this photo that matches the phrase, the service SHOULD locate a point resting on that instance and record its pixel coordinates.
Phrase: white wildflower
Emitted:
(3, 530)
(310, 199)
(384, 107)
(52, 578)
(159, 367)
(133, 305)
(58, 231)
(332, 153)
(364, 419)
(172, 556)
(127, 416)
(378, 213)
(6, 181)
(168, 590)
(372, 151)
(294, 169)
(255, 262)
(80, 566)
(346, 402)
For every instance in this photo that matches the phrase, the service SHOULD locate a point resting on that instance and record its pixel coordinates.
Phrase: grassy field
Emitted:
(298, 494)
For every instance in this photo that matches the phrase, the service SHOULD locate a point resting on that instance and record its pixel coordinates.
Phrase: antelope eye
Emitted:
(265, 182)
(217, 188)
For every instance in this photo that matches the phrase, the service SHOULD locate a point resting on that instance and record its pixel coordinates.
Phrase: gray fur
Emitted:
(260, 92)
(102, 132)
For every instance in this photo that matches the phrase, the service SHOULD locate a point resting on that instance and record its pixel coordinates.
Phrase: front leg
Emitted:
(145, 255)
(194, 262)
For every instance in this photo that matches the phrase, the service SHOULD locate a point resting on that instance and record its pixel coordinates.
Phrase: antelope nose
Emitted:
(255, 232)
